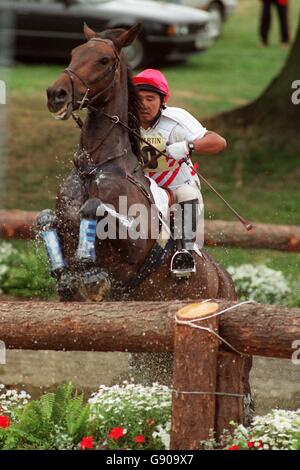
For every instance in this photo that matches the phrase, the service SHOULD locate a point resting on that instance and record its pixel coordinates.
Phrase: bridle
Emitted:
(86, 101)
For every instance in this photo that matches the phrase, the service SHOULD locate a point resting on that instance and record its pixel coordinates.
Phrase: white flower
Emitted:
(259, 283)
(164, 434)
(12, 399)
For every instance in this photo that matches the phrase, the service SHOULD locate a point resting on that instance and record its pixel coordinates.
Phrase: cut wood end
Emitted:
(199, 310)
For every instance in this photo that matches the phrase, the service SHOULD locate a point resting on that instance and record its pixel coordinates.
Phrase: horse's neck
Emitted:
(113, 139)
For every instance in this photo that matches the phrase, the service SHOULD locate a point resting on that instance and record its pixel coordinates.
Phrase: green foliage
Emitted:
(296, 441)
(55, 421)
(25, 271)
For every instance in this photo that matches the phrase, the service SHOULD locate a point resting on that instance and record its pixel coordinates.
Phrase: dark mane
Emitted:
(133, 98)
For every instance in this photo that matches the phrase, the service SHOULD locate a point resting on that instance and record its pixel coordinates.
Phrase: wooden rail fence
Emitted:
(16, 224)
(211, 366)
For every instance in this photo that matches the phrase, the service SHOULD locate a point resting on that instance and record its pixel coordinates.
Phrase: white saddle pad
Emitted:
(160, 197)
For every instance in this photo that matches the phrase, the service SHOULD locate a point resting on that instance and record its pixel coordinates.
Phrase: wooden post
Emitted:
(195, 365)
(231, 378)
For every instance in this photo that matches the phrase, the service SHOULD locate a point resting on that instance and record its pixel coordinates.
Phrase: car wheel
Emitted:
(135, 54)
(216, 23)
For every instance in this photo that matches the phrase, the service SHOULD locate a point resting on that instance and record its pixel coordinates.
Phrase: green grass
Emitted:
(28, 275)
(288, 263)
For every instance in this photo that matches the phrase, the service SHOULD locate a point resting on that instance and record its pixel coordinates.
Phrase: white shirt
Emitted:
(174, 125)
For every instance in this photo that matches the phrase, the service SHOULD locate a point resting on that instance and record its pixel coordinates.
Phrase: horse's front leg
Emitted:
(77, 218)
(60, 230)
(95, 280)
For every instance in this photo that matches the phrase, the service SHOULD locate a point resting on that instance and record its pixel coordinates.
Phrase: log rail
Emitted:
(17, 224)
(252, 328)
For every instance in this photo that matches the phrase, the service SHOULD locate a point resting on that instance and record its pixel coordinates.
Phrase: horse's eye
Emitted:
(104, 60)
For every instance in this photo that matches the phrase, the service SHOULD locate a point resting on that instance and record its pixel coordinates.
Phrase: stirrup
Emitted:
(182, 264)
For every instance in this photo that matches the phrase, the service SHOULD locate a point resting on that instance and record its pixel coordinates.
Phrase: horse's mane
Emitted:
(133, 98)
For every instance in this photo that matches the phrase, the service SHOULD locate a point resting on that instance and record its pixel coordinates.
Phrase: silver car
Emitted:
(220, 11)
(48, 29)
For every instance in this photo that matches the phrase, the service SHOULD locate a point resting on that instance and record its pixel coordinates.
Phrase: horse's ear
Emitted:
(88, 32)
(126, 38)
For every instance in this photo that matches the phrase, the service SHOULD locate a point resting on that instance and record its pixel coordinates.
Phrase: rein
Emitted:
(116, 120)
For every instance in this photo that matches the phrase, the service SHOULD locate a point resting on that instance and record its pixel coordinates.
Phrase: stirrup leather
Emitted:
(182, 264)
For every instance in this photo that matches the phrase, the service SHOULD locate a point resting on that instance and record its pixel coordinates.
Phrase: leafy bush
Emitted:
(296, 441)
(137, 410)
(260, 283)
(278, 430)
(25, 272)
(7, 254)
(55, 421)
(119, 417)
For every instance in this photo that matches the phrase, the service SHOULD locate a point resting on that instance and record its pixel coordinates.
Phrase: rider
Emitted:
(177, 133)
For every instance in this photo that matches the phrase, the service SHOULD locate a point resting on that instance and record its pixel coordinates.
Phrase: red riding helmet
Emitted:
(152, 80)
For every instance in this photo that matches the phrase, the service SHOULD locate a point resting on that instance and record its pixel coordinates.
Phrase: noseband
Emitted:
(85, 101)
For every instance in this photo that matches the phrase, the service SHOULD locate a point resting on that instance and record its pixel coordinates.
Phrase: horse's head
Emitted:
(92, 72)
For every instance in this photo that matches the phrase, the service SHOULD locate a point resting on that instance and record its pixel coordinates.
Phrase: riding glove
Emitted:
(178, 150)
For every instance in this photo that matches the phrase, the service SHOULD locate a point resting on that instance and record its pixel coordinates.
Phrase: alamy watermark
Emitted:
(135, 221)
(2, 92)
(296, 354)
(2, 353)
(296, 93)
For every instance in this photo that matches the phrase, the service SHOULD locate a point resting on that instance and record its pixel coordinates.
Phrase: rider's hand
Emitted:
(178, 150)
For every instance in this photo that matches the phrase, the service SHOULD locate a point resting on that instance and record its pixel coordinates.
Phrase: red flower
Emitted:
(87, 443)
(250, 444)
(233, 448)
(4, 422)
(139, 439)
(260, 444)
(116, 433)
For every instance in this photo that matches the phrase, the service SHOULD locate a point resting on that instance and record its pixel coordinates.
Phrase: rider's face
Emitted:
(149, 107)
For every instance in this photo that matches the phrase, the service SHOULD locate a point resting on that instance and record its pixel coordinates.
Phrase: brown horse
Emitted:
(107, 165)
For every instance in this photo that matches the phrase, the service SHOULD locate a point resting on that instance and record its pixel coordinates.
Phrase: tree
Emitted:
(265, 132)
(273, 113)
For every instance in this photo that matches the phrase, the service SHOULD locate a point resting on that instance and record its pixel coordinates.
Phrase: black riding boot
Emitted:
(183, 264)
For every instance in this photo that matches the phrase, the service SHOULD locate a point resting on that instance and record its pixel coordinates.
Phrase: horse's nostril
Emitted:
(60, 95)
